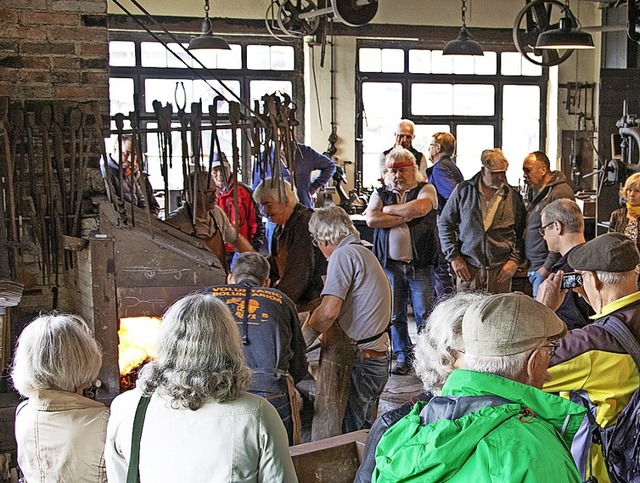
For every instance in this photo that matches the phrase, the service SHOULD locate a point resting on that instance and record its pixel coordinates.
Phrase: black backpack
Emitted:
(621, 442)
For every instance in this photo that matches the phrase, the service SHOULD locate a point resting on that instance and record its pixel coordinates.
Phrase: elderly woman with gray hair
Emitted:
(200, 423)
(438, 351)
(60, 433)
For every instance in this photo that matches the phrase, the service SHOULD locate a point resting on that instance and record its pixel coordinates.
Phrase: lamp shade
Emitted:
(463, 45)
(206, 40)
(566, 37)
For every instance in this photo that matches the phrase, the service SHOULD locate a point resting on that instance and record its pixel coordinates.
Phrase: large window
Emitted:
(497, 100)
(143, 70)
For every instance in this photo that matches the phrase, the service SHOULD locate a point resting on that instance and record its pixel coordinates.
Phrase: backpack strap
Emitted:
(619, 330)
(133, 472)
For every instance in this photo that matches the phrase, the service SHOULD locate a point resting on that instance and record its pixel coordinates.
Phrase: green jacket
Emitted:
(495, 444)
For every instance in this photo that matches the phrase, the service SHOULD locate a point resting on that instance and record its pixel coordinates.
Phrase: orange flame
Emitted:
(137, 341)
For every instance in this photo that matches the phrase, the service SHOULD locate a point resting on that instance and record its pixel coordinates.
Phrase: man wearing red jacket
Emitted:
(247, 219)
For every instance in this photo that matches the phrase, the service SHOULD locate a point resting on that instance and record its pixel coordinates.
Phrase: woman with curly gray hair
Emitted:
(200, 424)
(60, 433)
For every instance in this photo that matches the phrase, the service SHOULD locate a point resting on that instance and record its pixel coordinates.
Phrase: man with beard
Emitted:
(405, 241)
(481, 228)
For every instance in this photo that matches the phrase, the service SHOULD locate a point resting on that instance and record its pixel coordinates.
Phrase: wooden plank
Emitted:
(333, 459)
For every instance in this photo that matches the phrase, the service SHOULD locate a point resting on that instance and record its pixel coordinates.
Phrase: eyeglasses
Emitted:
(542, 229)
(552, 346)
(314, 242)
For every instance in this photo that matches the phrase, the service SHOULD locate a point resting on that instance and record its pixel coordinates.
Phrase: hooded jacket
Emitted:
(536, 248)
(526, 441)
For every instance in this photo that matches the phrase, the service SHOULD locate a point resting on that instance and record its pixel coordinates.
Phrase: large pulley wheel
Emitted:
(537, 17)
(289, 21)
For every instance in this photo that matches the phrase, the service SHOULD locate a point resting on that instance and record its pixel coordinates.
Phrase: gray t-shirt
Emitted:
(355, 275)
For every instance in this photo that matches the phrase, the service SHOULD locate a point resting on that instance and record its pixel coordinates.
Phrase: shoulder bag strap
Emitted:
(623, 335)
(133, 473)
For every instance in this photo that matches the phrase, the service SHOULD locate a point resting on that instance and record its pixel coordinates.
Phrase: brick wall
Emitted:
(54, 50)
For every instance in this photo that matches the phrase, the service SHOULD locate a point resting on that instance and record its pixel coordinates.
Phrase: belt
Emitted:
(370, 353)
(404, 262)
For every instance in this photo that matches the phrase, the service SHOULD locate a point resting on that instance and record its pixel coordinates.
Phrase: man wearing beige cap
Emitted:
(405, 241)
(492, 422)
(482, 228)
(590, 362)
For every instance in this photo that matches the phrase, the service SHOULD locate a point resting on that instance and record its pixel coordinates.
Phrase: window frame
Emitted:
(243, 75)
(407, 79)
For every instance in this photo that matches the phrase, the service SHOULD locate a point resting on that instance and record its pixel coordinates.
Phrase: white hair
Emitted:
(278, 190)
(440, 342)
(200, 354)
(55, 352)
(331, 224)
(509, 367)
(612, 278)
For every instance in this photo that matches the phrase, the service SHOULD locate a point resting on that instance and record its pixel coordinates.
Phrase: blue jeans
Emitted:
(536, 279)
(368, 378)
(283, 406)
(407, 281)
(269, 228)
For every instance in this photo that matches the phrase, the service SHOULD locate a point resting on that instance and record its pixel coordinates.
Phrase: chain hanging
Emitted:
(464, 13)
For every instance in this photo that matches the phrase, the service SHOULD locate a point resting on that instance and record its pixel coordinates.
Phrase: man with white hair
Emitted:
(492, 422)
(405, 241)
(297, 266)
(353, 319)
(482, 228)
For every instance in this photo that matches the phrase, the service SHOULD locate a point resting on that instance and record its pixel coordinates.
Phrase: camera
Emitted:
(571, 280)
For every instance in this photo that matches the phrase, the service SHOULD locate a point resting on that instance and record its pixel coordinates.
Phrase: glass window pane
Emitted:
(259, 88)
(382, 103)
(122, 53)
(463, 64)
(511, 63)
(230, 59)
(382, 99)
(282, 57)
(163, 90)
(529, 68)
(154, 54)
(180, 50)
(208, 57)
(204, 91)
(432, 99)
(258, 57)
(473, 100)
(420, 61)
(424, 133)
(519, 139)
(120, 95)
(471, 140)
(521, 102)
(392, 60)
(486, 64)
(370, 60)
(441, 64)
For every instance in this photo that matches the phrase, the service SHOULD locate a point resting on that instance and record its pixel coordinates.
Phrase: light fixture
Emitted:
(206, 40)
(567, 36)
(464, 44)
